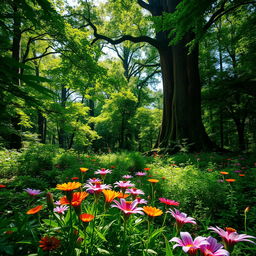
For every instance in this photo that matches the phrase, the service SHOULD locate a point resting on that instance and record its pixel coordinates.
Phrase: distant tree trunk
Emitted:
(41, 121)
(240, 127)
(61, 132)
(221, 129)
(15, 140)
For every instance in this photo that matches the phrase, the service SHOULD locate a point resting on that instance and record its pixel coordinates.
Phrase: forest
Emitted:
(121, 118)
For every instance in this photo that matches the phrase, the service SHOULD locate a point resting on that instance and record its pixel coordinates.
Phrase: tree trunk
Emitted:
(240, 125)
(61, 133)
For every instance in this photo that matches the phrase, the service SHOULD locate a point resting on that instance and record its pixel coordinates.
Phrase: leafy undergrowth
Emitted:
(215, 190)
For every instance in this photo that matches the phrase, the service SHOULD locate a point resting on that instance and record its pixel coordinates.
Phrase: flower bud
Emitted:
(49, 200)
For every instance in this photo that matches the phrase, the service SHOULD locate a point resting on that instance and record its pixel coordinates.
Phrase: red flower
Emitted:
(49, 243)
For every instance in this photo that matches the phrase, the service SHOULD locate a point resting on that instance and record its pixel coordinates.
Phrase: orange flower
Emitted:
(2, 186)
(146, 169)
(122, 195)
(77, 199)
(241, 175)
(49, 243)
(110, 195)
(224, 173)
(230, 230)
(84, 169)
(230, 180)
(85, 217)
(35, 209)
(247, 209)
(69, 186)
(153, 180)
(152, 211)
(75, 178)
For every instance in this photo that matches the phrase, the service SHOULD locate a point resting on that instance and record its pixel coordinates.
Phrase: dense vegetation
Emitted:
(162, 90)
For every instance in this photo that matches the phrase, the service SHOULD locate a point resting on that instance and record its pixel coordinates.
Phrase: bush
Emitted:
(8, 163)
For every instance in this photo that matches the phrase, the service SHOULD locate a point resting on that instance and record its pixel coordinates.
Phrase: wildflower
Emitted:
(181, 218)
(35, 209)
(230, 237)
(57, 202)
(168, 201)
(84, 169)
(237, 171)
(60, 209)
(140, 174)
(247, 209)
(122, 195)
(152, 211)
(49, 200)
(135, 191)
(188, 245)
(2, 186)
(230, 180)
(141, 200)
(241, 175)
(112, 167)
(124, 184)
(146, 169)
(49, 243)
(153, 180)
(127, 177)
(70, 186)
(33, 192)
(110, 195)
(85, 217)
(77, 199)
(96, 188)
(8, 232)
(75, 178)
(213, 248)
(94, 180)
(224, 173)
(103, 171)
(128, 207)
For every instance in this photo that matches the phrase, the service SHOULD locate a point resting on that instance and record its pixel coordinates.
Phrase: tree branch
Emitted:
(144, 5)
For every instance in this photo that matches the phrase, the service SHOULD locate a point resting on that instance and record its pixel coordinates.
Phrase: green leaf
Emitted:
(103, 251)
(101, 235)
(24, 242)
(150, 251)
(156, 232)
(168, 248)
(51, 223)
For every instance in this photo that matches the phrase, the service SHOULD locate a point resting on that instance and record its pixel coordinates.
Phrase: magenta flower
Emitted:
(141, 200)
(181, 218)
(103, 171)
(188, 245)
(213, 248)
(57, 202)
(134, 191)
(140, 173)
(127, 177)
(128, 207)
(60, 209)
(93, 180)
(96, 188)
(33, 192)
(230, 237)
(168, 201)
(124, 184)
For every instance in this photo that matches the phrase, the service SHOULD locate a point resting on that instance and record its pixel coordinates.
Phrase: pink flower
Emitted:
(134, 191)
(60, 209)
(127, 177)
(230, 237)
(140, 173)
(124, 184)
(96, 188)
(188, 245)
(213, 248)
(94, 180)
(141, 200)
(57, 202)
(168, 201)
(181, 218)
(128, 207)
(103, 171)
(33, 192)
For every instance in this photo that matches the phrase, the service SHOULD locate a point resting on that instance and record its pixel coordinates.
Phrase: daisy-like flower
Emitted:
(168, 201)
(110, 195)
(213, 248)
(77, 199)
(152, 211)
(181, 218)
(85, 217)
(224, 173)
(230, 180)
(97, 187)
(35, 209)
(49, 243)
(84, 169)
(188, 245)
(128, 207)
(141, 174)
(124, 184)
(94, 180)
(122, 195)
(230, 237)
(74, 178)
(61, 209)
(70, 186)
(153, 180)
(127, 177)
(146, 169)
(57, 202)
(2, 186)
(103, 171)
(33, 192)
(141, 200)
(134, 191)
